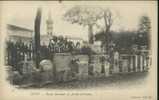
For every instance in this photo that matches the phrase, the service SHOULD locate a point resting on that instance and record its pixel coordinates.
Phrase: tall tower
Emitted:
(49, 23)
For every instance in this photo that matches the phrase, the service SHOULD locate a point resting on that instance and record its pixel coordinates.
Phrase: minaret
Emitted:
(49, 23)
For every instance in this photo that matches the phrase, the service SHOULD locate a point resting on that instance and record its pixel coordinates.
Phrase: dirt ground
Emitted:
(122, 81)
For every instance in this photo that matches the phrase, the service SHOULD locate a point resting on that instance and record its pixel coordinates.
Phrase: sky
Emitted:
(23, 14)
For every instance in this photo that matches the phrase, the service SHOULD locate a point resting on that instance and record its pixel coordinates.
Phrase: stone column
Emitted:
(31, 55)
(120, 66)
(147, 63)
(141, 63)
(144, 62)
(136, 63)
(25, 57)
(131, 63)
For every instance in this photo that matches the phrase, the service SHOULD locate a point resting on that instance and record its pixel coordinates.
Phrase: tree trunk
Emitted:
(37, 38)
(108, 40)
(90, 34)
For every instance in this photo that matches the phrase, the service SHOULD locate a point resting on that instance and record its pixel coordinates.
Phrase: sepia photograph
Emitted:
(79, 48)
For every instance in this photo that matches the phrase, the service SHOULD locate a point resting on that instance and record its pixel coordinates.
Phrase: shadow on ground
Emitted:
(124, 80)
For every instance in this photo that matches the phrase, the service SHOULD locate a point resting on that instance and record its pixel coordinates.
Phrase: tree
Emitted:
(143, 37)
(37, 37)
(108, 19)
(86, 16)
(107, 41)
(144, 24)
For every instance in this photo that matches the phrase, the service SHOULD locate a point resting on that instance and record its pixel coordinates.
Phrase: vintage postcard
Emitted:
(93, 50)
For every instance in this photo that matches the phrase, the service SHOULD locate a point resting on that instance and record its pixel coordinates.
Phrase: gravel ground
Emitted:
(116, 81)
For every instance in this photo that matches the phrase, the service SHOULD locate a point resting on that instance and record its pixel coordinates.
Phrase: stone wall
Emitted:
(62, 63)
(97, 66)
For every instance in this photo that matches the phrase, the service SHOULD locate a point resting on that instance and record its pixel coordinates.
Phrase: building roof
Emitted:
(74, 38)
(10, 26)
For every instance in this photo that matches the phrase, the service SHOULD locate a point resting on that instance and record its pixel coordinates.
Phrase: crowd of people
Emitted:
(20, 51)
(59, 45)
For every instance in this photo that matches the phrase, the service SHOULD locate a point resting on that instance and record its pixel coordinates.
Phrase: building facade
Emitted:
(17, 33)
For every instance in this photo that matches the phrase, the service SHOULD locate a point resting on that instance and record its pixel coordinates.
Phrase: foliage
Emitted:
(83, 15)
(144, 24)
(124, 39)
(143, 37)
